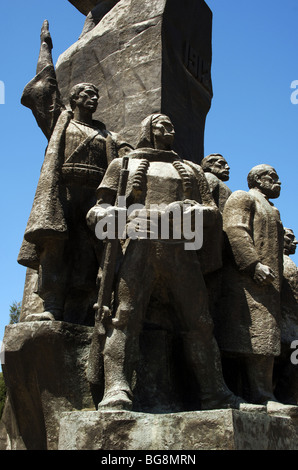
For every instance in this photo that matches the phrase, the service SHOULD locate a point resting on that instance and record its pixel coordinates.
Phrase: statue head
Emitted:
(290, 242)
(265, 179)
(216, 164)
(157, 131)
(84, 96)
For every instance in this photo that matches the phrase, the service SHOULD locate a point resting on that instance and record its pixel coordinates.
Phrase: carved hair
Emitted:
(207, 161)
(256, 172)
(146, 139)
(286, 230)
(76, 90)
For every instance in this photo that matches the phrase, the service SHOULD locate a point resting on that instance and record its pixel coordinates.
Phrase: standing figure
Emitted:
(286, 369)
(250, 307)
(57, 243)
(158, 177)
(289, 293)
(217, 171)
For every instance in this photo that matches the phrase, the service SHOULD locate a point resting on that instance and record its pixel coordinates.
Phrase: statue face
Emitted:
(269, 184)
(87, 99)
(290, 242)
(164, 133)
(219, 167)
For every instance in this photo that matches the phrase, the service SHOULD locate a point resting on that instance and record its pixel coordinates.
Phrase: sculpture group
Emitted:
(233, 300)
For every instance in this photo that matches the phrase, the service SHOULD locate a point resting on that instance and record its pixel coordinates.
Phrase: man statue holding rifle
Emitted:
(158, 177)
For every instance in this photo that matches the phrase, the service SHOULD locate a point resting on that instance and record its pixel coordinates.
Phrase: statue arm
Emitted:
(106, 193)
(116, 146)
(211, 212)
(41, 94)
(238, 225)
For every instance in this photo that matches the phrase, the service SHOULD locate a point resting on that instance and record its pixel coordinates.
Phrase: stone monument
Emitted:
(145, 59)
(116, 348)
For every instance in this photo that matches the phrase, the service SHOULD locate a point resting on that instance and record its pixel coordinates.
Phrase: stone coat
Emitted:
(249, 319)
(219, 190)
(289, 302)
(48, 217)
(163, 184)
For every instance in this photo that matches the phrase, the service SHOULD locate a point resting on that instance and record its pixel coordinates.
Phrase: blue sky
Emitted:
(252, 119)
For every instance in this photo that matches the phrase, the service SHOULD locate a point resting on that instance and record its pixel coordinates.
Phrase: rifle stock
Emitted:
(103, 306)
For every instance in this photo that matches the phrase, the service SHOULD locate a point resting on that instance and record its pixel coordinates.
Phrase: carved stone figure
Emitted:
(289, 293)
(157, 176)
(250, 309)
(57, 243)
(217, 171)
(286, 372)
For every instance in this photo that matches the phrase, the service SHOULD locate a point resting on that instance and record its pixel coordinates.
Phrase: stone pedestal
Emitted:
(44, 372)
(192, 431)
(156, 58)
(51, 406)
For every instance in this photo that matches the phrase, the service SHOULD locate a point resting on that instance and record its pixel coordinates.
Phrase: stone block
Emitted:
(155, 59)
(191, 431)
(44, 372)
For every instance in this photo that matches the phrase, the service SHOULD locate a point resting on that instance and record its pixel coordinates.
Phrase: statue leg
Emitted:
(121, 349)
(202, 352)
(259, 372)
(52, 278)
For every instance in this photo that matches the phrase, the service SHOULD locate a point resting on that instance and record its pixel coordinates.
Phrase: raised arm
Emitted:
(41, 95)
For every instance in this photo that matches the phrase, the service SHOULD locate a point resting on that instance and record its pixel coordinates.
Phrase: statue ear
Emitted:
(258, 180)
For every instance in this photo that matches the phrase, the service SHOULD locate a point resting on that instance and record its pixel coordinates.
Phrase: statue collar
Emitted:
(155, 155)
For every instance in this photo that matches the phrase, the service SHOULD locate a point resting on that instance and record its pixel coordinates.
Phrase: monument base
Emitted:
(189, 431)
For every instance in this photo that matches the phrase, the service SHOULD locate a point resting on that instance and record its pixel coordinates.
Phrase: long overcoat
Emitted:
(249, 316)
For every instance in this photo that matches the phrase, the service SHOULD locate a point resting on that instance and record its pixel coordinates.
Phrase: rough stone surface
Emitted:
(44, 371)
(202, 430)
(31, 302)
(144, 60)
(45, 365)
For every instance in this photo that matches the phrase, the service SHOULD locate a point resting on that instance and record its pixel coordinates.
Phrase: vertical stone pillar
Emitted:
(145, 57)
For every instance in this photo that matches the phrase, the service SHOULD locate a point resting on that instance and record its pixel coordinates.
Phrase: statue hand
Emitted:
(263, 274)
(45, 35)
